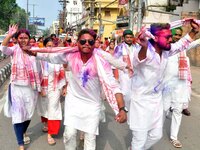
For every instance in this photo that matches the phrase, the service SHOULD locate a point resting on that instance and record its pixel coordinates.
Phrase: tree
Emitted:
(46, 32)
(8, 8)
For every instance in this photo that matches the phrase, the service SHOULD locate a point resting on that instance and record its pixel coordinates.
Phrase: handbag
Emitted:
(8, 103)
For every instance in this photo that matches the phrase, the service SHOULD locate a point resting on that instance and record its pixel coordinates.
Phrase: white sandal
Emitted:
(27, 140)
(176, 143)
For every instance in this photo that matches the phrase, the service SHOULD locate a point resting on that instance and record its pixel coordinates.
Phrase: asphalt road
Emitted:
(113, 136)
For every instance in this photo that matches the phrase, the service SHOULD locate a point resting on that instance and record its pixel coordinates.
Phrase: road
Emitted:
(113, 136)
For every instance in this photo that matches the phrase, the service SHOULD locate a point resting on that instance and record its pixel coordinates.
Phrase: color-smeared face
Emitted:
(86, 43)
(112, 45)
(128, 39)
(97, 44)
(50, 44)
(23, 39)
(164, 39)
(177, 35)
(32, 42)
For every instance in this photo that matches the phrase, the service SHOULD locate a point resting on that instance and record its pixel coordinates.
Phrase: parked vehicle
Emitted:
(2, 56)
(2, 37)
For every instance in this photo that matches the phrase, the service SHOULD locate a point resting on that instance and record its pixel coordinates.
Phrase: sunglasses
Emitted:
(178, 34)
(91, 42)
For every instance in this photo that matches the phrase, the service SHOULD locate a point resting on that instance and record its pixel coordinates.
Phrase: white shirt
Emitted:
(82, 104)
(146, 109)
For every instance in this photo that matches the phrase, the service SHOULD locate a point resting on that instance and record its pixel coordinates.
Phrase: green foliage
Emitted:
(46, 32)
(32, 29)
(11, 13)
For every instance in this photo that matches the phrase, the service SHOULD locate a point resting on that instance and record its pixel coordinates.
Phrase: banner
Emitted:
(123, 2)
(37, 21)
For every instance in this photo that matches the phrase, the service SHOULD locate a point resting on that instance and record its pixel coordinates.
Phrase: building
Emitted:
(54, 27)
(74, 14)
(102, 16)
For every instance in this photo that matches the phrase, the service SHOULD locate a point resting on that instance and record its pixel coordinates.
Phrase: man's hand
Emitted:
(194, 25)
(27, 50)
(121, 117)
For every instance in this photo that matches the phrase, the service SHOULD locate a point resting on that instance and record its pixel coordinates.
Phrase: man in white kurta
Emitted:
(146, 108)
(83, 100)
(175, 94)
(126, 49)
(176, 90)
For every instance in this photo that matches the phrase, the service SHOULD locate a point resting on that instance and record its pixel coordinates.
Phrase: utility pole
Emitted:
(131, 14)
(64, 12)
(92, 2)
(27, 15)
(100, 20)
(139, 22)
(33, 9)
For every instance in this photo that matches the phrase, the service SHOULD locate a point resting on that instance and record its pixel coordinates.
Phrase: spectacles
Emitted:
(83, 41)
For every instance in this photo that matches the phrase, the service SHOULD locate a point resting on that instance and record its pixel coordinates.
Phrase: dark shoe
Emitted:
(186, 112)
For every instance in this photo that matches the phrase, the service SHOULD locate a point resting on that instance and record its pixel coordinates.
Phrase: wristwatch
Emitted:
(124, 109)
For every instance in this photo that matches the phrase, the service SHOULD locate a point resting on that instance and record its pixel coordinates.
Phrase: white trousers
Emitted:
(143, 140)
(69, 139)
(176, 119)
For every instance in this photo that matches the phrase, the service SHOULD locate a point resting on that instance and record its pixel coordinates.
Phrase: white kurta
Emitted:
(124, 79)
(82, 103)
(146, 108)
(50, 106)
(175, 90)
(23, 97)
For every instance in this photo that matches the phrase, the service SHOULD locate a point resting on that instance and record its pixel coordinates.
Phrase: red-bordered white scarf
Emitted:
(59, 76)
(24, 69)
(183, 66)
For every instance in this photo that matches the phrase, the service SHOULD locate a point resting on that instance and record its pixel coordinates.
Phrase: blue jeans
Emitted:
(20, 129)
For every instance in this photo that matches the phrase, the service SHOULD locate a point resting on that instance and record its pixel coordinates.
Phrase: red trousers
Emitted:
(53, 125)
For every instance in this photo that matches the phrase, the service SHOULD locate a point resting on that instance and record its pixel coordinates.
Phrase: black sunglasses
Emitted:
(91, 42)
(178, 34)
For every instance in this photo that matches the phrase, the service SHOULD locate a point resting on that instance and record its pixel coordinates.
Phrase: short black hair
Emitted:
(46, 40)
(87, 31)
(52, 35)
(155, 27)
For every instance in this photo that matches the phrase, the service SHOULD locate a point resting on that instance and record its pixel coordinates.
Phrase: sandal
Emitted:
(176, 143)
(51, 141)
(45, 129)
(27, 140)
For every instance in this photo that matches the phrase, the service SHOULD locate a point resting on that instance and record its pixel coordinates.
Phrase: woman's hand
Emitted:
(12, 29)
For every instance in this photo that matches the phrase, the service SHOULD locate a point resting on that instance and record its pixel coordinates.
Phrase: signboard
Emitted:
(122, 21)
(37, 21)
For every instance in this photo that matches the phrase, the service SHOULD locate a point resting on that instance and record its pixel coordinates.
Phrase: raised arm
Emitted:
(117, 63)
(4, 46)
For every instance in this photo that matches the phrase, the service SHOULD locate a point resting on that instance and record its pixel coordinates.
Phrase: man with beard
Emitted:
(146, 106)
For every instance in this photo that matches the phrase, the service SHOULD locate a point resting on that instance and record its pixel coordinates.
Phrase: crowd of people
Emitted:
(140, 78)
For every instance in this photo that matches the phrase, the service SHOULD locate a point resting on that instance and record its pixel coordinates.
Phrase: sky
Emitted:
(48, 9)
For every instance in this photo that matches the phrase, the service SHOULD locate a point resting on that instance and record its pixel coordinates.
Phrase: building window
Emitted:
(107, 13)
